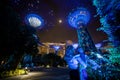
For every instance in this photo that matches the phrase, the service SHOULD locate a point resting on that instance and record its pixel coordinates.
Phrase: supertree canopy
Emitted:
(34, 20)
(79, 16)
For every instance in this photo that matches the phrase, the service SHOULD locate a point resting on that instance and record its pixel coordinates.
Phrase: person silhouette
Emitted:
(72, 63)
(76, 62)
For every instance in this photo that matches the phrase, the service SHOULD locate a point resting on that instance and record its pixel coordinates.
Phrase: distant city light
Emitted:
(34, 20)
(56, 47)
(79, 16)
(75, 45)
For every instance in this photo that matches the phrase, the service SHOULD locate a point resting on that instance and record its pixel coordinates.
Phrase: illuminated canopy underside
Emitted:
(81, 15)
(34, 20)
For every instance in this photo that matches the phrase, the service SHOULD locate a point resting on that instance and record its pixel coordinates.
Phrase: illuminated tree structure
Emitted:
(79, 19)
(36, 22)
(109, 12)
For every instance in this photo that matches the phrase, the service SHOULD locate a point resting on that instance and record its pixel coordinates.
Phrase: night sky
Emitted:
(54, 10)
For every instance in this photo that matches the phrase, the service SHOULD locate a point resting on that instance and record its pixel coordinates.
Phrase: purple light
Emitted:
(56, 47)
(75, 45)
(98, 45)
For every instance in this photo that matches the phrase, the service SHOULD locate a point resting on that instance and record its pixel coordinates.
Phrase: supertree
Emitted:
(78, 19)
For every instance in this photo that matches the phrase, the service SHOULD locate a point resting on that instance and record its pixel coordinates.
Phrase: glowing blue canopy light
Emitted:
(79, 16)
(34, 20)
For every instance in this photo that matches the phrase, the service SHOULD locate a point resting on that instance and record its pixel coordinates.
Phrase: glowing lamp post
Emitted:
(78, 19)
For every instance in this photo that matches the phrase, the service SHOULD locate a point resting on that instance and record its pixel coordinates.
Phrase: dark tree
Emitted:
(109, 11)
(16, 39)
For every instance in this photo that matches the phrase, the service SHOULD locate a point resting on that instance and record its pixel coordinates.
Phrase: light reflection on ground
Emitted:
(44, 74)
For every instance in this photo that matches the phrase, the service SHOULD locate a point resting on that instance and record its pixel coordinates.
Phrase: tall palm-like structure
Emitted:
(79, 19)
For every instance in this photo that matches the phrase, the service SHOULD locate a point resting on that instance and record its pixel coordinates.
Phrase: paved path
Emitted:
(44, 74)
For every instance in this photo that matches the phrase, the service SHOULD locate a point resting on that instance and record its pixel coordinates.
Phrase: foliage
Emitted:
(114, 55)
(109, 11)
(37, 60)
(13, 72)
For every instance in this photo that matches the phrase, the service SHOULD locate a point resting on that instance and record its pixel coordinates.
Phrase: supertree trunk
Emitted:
(84, 39)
